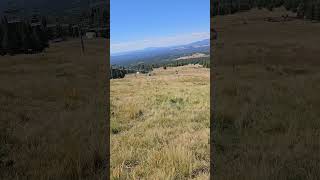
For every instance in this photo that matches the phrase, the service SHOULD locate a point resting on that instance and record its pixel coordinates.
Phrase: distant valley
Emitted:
(160, 54)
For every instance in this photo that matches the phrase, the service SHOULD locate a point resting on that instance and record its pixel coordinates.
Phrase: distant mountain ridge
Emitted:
(154, 54)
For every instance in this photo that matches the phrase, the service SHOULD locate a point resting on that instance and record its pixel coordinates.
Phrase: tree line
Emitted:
(309, 9)
(21, 37)
(121, 71)
(205, 62)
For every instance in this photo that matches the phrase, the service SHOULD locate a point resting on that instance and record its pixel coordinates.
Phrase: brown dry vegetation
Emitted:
(160, 125)
(268, 106)
(52, 113)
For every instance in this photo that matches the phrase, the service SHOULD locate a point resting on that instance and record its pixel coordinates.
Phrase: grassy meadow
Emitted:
(52, 113)
(267, 97)
(160, 124)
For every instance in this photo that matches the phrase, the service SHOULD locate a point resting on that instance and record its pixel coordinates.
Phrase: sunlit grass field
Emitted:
(160, 124)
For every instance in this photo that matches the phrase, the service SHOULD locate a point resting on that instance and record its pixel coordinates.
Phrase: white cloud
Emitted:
(159, 42)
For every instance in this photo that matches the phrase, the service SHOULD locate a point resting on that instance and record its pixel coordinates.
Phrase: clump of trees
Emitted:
(21, 37)
(116, 73)
(223, 7)
(120, 71)
(205, 62)
(144, 68)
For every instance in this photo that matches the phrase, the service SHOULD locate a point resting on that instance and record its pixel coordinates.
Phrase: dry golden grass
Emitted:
(52, 113)
(160, 125)
(267, 124)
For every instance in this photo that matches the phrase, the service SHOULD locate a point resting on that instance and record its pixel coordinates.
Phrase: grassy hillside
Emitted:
(160, 124)
(267, 79)
(52, 113)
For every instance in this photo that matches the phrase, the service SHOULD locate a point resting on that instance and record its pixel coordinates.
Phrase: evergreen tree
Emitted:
(13, 39)
(26, 39)
(1, 37)
(5, 38)
(44, 33)
(36, 42)
(59, 33)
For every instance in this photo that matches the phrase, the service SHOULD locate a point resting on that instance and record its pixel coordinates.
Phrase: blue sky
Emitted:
(137, 24)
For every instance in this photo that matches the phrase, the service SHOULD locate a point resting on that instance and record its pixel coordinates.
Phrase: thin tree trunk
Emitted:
(82, 44)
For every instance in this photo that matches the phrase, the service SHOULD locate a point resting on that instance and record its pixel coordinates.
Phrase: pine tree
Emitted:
(1, 37)
(44, 33)
(5, 38)
(25, 38)
(36, 43)
(59, 32)
(13, 38)
(19, 37)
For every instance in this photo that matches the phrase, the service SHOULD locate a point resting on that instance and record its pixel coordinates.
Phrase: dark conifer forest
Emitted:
(310, 9)
(22, 37)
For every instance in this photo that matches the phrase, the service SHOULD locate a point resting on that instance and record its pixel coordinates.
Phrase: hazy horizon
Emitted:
(156, 43)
